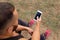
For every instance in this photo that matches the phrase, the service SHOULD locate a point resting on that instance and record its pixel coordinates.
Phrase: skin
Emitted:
(8, 31)
(10, 25)
(20, 27)
(36, 33)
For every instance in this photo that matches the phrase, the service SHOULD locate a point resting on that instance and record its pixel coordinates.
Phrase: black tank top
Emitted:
(14, 38)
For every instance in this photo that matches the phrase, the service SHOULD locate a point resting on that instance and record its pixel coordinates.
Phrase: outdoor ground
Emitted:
(50, 17)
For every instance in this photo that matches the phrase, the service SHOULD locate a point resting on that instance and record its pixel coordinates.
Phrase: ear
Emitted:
(9, 29)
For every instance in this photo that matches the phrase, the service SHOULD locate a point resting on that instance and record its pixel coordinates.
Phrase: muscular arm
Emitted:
(20, 27)
(36, 33)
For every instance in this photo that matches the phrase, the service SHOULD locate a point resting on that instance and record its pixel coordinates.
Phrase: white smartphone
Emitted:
(37, 14)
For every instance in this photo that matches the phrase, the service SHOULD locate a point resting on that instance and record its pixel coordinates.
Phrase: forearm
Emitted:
(36, 33)
(19, 28)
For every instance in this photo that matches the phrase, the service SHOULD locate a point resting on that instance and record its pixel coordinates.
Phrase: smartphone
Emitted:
(38, 14)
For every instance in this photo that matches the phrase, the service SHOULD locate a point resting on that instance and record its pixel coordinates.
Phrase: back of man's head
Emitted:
(6, 13)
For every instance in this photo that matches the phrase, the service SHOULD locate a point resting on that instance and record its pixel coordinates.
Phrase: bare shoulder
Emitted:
(22, 39)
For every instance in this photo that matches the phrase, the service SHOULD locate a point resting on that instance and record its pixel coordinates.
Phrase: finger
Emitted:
(31, 33)
(37, 17)
(40, 19)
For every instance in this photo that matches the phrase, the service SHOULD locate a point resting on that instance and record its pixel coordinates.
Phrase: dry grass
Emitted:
(50, 17)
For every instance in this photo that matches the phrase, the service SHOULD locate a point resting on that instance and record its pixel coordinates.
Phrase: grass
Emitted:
(50, 8)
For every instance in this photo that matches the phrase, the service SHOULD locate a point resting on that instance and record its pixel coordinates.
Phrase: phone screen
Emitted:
(38, 14)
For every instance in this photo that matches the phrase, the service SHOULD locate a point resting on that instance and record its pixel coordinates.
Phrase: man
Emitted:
(9, 24)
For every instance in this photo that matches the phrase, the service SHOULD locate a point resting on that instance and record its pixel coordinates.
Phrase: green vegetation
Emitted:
(50, 8)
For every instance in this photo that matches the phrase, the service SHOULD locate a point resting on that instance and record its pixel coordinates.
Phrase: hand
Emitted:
(38, 19)
(30, 31)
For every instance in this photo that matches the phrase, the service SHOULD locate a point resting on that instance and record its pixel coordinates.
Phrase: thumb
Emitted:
(37, 17)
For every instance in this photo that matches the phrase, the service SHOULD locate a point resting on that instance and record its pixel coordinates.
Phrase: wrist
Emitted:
(38, 22)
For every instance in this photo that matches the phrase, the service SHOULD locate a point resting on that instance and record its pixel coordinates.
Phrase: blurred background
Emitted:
(50, 17)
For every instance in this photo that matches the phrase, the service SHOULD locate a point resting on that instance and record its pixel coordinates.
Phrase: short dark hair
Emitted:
(6, 13)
